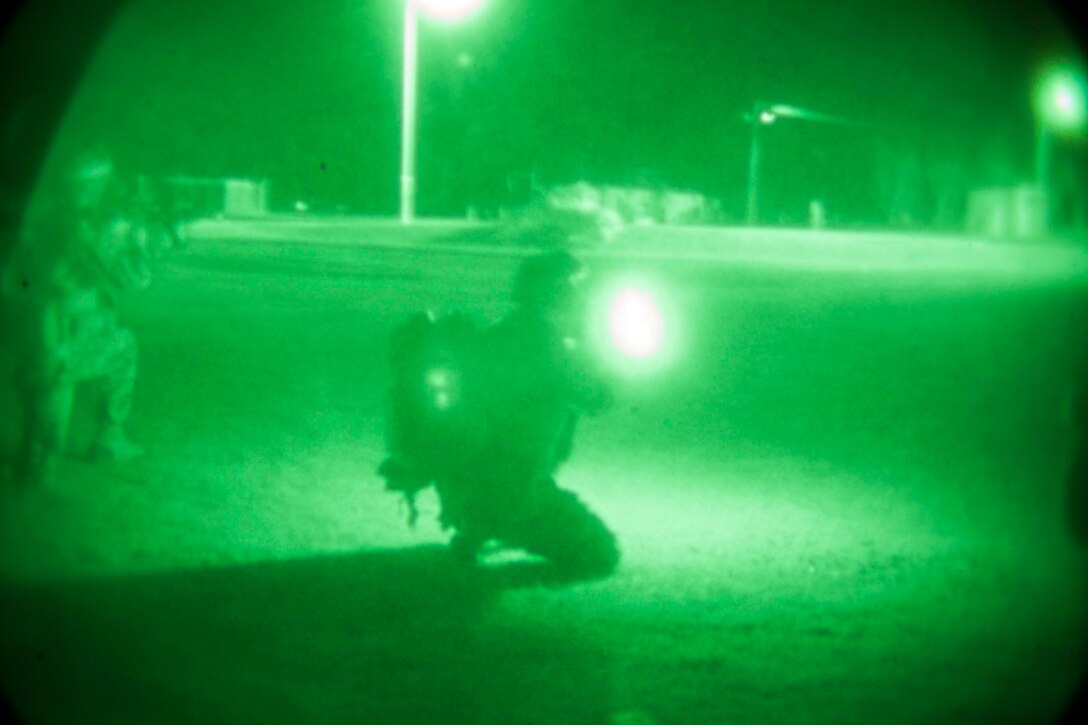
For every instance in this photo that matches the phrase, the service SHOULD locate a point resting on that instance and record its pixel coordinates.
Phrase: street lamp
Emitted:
(1059, 109)
(760, 116)
(447, 11)
(1059, 99)
(765, 115)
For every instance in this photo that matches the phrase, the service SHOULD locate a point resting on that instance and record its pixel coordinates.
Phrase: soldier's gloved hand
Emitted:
(401, 477)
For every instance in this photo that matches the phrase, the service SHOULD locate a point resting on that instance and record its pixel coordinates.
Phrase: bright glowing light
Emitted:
(1060, 99)
(767, 117)
(636, 325)
(448, 11)
(443, 386)
(1065, 101)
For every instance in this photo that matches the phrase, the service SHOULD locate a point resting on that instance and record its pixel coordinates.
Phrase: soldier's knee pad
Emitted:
(576, 539)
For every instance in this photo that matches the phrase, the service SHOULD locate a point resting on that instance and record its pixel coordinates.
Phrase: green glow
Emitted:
(448, 11)
(635, 322)
(1060, 99)
(841, 441)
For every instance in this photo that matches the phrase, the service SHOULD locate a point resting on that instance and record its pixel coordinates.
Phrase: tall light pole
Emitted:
(443, 11)
(1059, 109)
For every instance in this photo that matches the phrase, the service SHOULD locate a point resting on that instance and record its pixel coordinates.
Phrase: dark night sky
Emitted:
(608, 90)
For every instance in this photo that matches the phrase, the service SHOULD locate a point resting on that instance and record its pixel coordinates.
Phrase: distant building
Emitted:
(200, 196)
(1009, 212)
(615, 207)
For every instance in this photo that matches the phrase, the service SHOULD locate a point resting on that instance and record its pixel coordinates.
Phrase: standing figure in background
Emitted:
(86, 251)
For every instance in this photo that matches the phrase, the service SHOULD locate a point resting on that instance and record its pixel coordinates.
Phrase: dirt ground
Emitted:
(843, 500)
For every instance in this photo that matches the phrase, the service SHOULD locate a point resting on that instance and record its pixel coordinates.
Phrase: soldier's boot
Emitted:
(111, 443)
(46, 414)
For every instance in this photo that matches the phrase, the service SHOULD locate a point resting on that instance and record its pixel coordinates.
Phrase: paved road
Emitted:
(749, 247)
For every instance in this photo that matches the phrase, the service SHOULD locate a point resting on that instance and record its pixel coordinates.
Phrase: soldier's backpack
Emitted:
(435, 417)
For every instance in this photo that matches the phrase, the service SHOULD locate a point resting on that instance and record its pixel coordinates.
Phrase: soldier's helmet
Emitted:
(548, 281)
(90, 175)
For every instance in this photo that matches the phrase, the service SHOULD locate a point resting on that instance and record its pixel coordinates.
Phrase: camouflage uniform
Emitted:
(79, 338)
(540, 383)
(488, 417)
(541, 386)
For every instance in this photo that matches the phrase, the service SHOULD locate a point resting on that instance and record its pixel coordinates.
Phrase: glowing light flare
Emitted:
(1065, 101)
(636, 324)
(448, 11)
(1060, 99)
